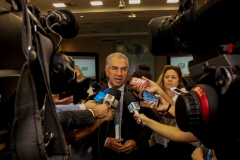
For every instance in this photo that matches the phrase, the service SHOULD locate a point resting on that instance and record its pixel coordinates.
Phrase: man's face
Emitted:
(117, 72)
(79, 76)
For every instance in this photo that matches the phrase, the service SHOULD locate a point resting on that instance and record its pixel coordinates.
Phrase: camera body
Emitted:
(210, 109)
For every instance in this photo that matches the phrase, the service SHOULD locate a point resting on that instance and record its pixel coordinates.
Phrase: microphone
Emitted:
(64, 23)
(112, 97)
(100, 95)
(133, 106)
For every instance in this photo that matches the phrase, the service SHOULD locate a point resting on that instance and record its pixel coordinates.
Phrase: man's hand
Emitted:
(110, 115)
(128, 147)
(90, 104)
(100, 111)
(114, 144)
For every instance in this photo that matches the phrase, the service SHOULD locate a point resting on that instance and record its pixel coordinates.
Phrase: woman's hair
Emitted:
(143, 70)
(177, 69)
(117, 55)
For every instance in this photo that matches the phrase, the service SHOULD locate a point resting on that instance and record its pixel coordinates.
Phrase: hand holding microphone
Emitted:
(133, 106)
(101, 111)
(109, 96)
(112, 96)
(110, 115)
(144, 119)
(90, 104)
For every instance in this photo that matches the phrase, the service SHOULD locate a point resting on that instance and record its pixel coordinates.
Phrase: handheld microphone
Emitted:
(133, 106)
(135, 81)
(100, 95)
(112, 97)
(64, 23)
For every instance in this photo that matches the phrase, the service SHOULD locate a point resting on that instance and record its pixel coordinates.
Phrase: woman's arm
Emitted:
(170, 132)
(152, 87)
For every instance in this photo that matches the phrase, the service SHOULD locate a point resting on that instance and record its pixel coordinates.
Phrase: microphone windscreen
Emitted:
(106, 90)
(128, 98)
(115, 92)
(71, 29)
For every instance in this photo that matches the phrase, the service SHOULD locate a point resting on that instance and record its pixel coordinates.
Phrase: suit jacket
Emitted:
(71, 120)
(130, 130)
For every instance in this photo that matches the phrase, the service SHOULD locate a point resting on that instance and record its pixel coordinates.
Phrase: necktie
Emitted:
(118, 117)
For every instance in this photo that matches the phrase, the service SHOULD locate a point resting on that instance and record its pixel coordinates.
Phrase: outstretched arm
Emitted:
(82, 133)
(170, 132)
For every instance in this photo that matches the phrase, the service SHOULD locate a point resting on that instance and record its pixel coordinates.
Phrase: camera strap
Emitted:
(26, 139)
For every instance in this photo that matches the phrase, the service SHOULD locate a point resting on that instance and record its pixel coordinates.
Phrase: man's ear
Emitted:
(106, 71)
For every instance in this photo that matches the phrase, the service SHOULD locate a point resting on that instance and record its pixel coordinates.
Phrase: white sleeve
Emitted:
(82, 106)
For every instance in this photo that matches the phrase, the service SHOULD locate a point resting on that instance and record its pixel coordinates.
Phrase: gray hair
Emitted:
(117, 55)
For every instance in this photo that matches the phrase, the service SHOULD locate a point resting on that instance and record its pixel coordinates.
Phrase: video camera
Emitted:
(55, 26)
(30, 69)
(209, 30)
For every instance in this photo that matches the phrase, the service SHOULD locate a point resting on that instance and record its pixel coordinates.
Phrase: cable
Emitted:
(104, 138)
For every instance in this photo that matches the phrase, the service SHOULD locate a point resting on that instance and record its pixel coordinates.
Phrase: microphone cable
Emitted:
(99, 150)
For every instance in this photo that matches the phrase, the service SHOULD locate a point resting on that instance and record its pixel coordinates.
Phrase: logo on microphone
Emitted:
(133, 106)
(100, 96)
(138, 82)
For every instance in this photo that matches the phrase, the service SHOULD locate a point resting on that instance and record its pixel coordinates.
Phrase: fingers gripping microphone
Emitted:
(133, 106)
(64, 23)
(112, 97)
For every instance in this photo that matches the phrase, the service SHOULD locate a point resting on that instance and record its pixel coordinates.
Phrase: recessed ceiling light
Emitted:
(96, 3)
(81, 16)
(59, 5)
(132, 15)
(134, 1)
(172, 1)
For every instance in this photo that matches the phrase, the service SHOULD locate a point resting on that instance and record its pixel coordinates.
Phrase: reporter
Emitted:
(171, 77)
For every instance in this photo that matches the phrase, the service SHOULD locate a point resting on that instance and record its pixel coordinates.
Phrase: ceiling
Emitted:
(108, 20)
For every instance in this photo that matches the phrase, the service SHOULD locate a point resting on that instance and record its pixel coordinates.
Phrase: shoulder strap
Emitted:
(27, 140)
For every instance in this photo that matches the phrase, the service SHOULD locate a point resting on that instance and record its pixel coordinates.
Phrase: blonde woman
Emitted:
(160, 146)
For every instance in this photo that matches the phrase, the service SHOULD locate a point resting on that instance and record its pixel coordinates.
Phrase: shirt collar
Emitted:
(120, 88)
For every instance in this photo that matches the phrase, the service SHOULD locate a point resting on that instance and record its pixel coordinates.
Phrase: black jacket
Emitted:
(129, 130)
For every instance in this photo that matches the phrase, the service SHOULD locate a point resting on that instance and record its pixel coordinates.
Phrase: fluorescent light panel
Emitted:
(96, 3)
(134, 1)
(59, 5)
(172, 1)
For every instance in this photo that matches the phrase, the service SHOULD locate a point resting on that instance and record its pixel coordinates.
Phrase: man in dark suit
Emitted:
(122, 138)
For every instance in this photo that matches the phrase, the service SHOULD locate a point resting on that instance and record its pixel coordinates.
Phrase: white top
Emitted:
(171, 121)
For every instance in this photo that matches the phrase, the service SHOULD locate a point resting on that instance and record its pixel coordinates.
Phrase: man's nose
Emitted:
(119, 72)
